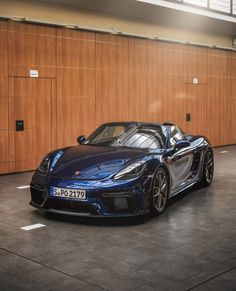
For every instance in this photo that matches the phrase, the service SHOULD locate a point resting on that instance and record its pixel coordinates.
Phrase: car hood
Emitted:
(93, 162)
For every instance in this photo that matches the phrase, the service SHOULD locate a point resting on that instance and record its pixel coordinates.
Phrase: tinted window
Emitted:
(144, 138)
(109, 132)
(106, 134)
(129, 135)
(175, 134)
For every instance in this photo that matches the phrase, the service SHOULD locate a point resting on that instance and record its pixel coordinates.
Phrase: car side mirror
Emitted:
(180, 144)
(81, 139)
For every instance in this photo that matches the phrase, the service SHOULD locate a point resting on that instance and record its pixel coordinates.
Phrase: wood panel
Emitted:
(144, 102)
(172, 95)
(143, 56)
(75, 49)
(196, 107)
(217, 63)
(11, 122)
(33, 104)
(171, 83)
(111, 53)
(4, 152)
(111, 96)
(75, 104)
(111, 78)
(194, 64)
(3, 59)
(54, 114)
(231, 65)
(170, 59)
(218, 99)
(75, 85)
(4, 135)
(232, 104)
(32, 47)
(218, 112)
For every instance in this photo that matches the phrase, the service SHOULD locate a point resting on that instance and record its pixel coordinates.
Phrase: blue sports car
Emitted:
(122, 169)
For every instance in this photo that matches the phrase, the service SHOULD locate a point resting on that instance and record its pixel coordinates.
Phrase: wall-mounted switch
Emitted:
(19, 125)
(188, 117)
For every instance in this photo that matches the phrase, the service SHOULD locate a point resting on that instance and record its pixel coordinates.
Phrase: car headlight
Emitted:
(55, 160)
(131, 171)
(44, 165)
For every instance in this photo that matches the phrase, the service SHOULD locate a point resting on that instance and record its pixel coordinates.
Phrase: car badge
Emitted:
(77, 173)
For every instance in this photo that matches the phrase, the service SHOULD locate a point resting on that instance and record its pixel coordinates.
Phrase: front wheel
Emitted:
(208, 168)
(160, 190)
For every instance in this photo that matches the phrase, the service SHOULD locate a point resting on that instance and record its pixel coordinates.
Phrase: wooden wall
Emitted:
(4, 107)
(75, 108)
(30, 99)
(88, 78)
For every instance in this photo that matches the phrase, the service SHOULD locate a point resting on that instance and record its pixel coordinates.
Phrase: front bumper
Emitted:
(105, 202)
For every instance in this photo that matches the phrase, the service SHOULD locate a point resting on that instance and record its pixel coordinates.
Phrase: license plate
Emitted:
(68, 193)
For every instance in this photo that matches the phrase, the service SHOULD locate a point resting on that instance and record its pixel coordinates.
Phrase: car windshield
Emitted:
(129, 135)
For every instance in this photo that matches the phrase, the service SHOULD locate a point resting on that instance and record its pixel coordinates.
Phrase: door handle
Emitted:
(19, 125)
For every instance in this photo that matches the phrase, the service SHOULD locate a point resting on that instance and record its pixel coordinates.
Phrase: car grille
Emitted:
(124, 203)
(38, 195)
(71, 206)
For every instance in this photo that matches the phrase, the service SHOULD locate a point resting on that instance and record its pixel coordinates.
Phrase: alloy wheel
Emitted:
(209, 166)
(160, 190)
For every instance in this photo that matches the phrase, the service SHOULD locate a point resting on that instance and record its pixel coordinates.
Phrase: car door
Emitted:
(180, 160)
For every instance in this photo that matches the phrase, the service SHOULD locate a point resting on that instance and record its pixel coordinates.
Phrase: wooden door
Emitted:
(33, 108)
(196, 108)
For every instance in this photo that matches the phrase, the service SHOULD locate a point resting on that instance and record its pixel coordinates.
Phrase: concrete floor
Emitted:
(192, 246)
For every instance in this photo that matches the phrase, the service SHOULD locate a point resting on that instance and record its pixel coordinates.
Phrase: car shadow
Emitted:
(183, 194)
(96, 221)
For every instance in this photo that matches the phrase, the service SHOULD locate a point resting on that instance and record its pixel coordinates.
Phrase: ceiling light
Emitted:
(114, 30)
(72, 26)
(234, 42)
(17, 18)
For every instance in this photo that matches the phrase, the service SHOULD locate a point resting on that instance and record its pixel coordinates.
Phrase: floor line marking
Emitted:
(32, 226)
(23, 187)
(224, 152)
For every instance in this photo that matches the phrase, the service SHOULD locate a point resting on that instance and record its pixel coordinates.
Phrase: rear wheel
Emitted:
(208, 170)
(160, 190)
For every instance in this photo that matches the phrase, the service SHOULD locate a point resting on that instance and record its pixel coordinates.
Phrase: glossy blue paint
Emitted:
(93, 168)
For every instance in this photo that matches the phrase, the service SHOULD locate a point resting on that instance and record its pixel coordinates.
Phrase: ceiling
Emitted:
(151, 13)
